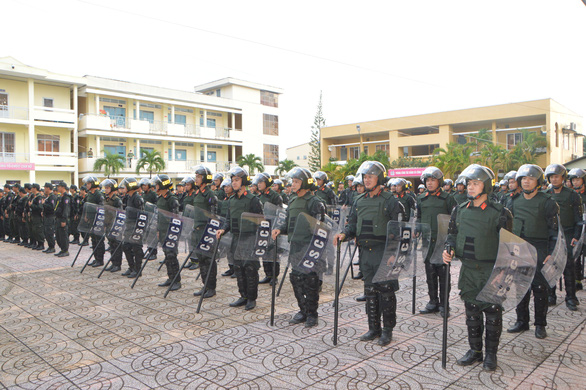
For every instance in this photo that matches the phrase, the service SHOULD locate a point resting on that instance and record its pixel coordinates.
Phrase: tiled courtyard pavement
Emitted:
(60, 329)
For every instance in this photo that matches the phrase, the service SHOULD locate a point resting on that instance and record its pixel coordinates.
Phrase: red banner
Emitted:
(14, 166)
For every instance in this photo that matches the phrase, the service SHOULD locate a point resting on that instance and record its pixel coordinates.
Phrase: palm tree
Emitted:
(252, 162)
(285, 166)
(453, 159)
(151, 162)
(112, 164)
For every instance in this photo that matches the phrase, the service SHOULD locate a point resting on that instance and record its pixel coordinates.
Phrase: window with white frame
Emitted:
(271, 154)
(48, 144)
(384, 148)
(513, 140)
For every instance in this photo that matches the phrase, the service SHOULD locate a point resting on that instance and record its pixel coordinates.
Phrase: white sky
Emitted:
(371, 59)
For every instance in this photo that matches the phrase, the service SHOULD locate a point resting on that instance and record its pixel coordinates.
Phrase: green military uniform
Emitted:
(115, 247)
(62, 210)
(150, 196)
(96, 197)
(49, 221)
(272, 197)
(408, 202)
(205, 199)
(76, 201)
(37, 221)
(429, 206)
(460, 197)
(168, 202)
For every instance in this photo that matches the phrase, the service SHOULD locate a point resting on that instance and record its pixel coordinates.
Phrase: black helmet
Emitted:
(576, 173)
(218, 176)
(449, 182)
(188, 180)
(225, 183)
(129, 183)
(205, 172)
(262, 177)
(478, 172)
(421, 186)
(401, 182)
(530, 170)
(145, 182)
(348, 178)
(73, 187)
(373, 168)
(279, 182)
(304, 175)
(164, 182)
(37, 186)
(321, 175)
(386, 180)
(48, 185)
(110, 183)
(432, 172)
(510, 175)
(91, 182)
(62, 184)
(555, 169)
(83, 188)
(357, 180)
(242, 173)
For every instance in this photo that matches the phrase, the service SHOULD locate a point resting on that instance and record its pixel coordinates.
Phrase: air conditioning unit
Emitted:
(572, 126)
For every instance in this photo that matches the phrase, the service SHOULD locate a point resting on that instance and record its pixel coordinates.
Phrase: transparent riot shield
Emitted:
(311, 244)
(554, 268)
(577, 250)
(443, 221)
(339, 215)
(139, 226)
(172, 230)
(405, 250)
(259, 246)
(115, 223)
(205, 226)
(93, 219)
(513, 272)
(152, 235)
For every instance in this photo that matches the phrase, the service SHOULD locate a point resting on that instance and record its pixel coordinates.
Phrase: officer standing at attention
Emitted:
(75, 214)
(110, 188)
(325, 193)
(149, 196)
(535, 219)
(264, 182)
(473, 235)
(222, 210)
(578, 176)
(62, 211)
(368, 223)
(96, 197)
(167, 202)
(218, 178)
(204, 199)
(134, 203)
(409, 203)
(460, 195)
(278, 188)
(571, 217)
(305, 285)
(49, 204)
(36, 205)
(430, 204)
(246, 270)
(189, 183)
(514, 188)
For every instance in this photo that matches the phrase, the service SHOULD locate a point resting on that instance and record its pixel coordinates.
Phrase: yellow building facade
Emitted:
(55, 127)
(417, 136)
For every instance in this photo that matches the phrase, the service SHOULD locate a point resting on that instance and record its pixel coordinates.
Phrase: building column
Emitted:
(75, 139)
(31, 120)
(97, 152)
(172, 156)
(205, 119)
(172, 114)
(494, 133)
(32, 176)
(233, 121)
(97, 102)
(233, 154)
(137, 109)
(205, 153)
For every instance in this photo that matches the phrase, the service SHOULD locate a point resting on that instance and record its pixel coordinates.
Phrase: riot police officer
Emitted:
(204, 199)
(571, 218)
(460, 195)
(150, 196)
(96, 197)
(222, 210)
(408, 202)
(368, 223)
(167, 202)
(111, 198)
(49, 204)
(189, 183)
(218, 178)
(473, 235)
(62, 210)
(134, 204)
(36, 205)
(75, 214)
(246, 270)
(306, 286)
(430, 204)
(535, 219)
(264, 182)
(323, 192)
(578, 176)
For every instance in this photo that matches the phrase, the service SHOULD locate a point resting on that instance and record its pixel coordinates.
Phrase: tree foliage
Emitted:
(318, 123)
(285, 166)
(150, 162)
(112, 164)
(251, 161)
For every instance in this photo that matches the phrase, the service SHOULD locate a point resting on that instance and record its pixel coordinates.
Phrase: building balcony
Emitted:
(9, 113)
(147, 127)
(173, 168)
(55, 115)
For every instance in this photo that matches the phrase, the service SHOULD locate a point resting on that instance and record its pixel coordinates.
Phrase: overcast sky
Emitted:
(372, 59)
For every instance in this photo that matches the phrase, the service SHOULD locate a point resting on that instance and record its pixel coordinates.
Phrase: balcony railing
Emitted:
(13, 112)
(124, 124)
(40, 157)
(171, 167)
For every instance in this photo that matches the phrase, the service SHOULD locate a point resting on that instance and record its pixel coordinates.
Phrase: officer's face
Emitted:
(122, 190)
(432, 184)
(319, 182)
(262, 186)
(475, 187)
(198, 180)
(513, 184)
(460, 187)
(217, 182)
(556, 180)
(349, 183)
(47, 191)
(107, 190)
(296, 185)
(340, 187)
(393, 188)
(370, 181)
(528, 183)
(447, 187)
(228, 190)
(179, 189)
(275, 187)
(236, 183)
(577, 182)
(360, 188)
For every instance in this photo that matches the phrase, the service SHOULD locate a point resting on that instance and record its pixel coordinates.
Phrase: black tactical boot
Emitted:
(239, 302)
(475, 325)
(494, 328)
(166, 283)
(470, 358)
(519, 326)
(250, 304)
(385, 337)
(431, 307)
(540, 332)
(373, 314)
(388, 303)
(311, 321)
(127, 272)
(298, 318)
